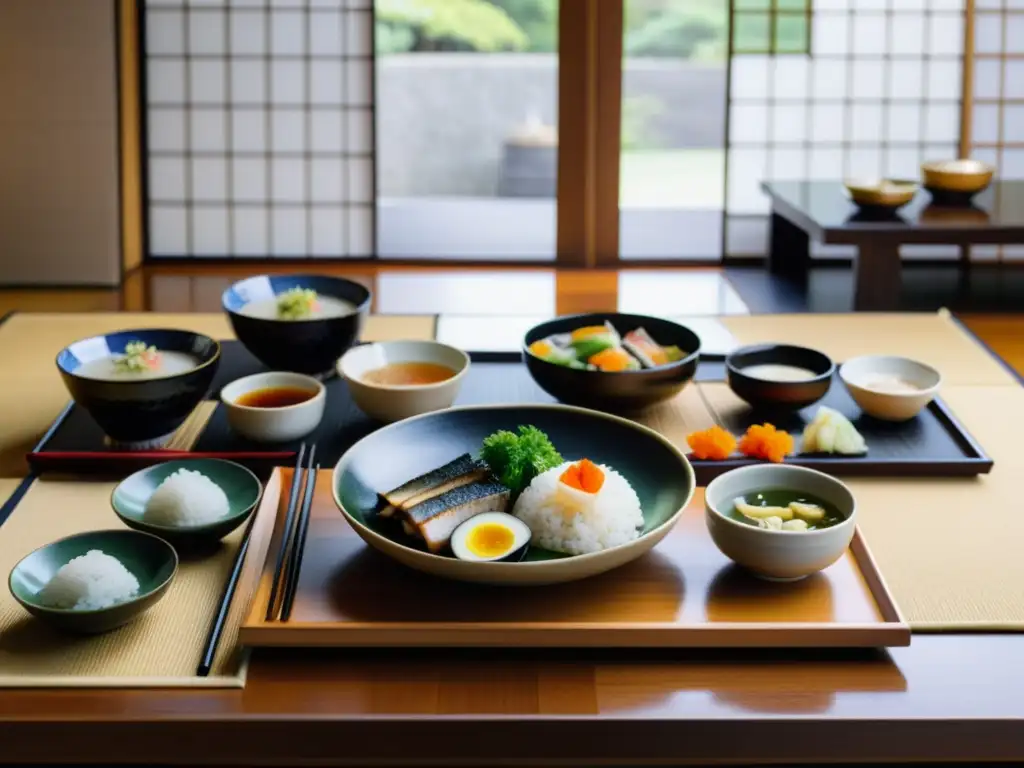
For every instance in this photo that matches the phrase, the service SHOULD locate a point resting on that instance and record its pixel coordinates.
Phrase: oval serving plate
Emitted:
(661, 476)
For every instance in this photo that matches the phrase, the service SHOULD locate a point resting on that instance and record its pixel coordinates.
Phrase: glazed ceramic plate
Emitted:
(659, 473)
(239, 484)
(152, 561)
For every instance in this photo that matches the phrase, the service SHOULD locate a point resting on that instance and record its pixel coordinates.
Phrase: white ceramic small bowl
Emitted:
(274, 425)
(390, 403)
(860, 375)
(778, 555)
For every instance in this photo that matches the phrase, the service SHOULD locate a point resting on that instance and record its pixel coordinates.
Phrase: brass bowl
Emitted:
(955, 182)
(882, 195)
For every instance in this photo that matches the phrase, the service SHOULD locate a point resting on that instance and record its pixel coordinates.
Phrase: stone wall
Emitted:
(442, 118)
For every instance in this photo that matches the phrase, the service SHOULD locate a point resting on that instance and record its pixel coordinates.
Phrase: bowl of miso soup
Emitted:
(779, 521)
(140, 385)
(297, 323)
(393, 380)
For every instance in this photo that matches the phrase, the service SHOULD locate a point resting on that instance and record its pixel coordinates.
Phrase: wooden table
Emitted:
(945, 698)
(819, 210)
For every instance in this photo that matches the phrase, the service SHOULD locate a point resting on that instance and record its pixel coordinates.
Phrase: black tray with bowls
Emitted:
(934, 444)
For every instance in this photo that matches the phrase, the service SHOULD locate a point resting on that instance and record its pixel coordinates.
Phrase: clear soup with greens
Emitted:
(785, 510)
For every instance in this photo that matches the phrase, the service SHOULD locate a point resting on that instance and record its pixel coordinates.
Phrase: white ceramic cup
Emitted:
(778, 555)
(389, 403)
(274, 425)
(858, 373)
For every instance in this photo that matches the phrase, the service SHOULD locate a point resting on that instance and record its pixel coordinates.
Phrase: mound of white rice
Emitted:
(186, 498)
(89, 582)
(614, 517)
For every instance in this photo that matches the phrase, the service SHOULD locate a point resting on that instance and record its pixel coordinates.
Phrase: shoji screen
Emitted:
(876, 91)
(997, 129)
(259, 128)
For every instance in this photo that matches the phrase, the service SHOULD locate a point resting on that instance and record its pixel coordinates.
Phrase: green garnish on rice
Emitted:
(516, 459)
(137, 357)
(296, 303)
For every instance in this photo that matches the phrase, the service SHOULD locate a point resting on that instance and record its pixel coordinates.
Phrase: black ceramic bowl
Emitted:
(766, 394)
(143, 412)
(311, 346)
(625, 391)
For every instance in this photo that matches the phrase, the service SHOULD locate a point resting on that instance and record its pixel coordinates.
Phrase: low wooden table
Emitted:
(945, 698)
(819, 210)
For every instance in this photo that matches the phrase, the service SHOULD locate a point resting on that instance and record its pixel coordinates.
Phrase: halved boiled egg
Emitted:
(490, 536)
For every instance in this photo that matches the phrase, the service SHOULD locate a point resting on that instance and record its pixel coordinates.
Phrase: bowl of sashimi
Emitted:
(611, 361)
(514, 495)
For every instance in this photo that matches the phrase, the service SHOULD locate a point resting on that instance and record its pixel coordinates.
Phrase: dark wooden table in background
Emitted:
(819, 210)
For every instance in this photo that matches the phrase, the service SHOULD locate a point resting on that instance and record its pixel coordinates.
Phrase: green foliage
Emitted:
(676, 35)
(393, 39)
(516, 459)
(538, 19)
(683, 29)
(449, 25)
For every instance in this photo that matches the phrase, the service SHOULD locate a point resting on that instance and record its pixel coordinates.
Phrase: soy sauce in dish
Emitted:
(408, 374)
(275, 397)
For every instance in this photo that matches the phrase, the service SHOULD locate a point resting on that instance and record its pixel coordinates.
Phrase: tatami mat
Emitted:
(162, 648)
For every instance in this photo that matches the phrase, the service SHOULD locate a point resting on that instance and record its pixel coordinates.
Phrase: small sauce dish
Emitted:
(394, 380)
(275, 407)
(888, 387)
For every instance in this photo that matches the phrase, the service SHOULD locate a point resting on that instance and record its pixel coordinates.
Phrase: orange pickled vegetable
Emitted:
(540, 348)
(612, 359)
(588, 331)
(764, 441)
(584, 475)
(714, 443)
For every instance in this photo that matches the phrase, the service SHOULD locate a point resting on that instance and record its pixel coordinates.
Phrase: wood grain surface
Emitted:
(684, 593)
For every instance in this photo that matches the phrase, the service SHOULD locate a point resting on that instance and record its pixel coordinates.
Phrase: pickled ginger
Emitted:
(831, 432)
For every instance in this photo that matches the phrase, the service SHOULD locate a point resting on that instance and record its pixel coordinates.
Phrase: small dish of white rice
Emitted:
(567, 520)
(186, 498)
(89, 582)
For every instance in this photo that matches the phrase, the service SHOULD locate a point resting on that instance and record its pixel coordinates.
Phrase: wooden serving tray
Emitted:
(684, 593)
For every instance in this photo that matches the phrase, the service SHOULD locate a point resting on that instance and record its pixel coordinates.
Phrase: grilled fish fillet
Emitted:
(458, 472)
(436, 518)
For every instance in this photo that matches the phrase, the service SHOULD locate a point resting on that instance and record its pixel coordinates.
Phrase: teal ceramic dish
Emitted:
(661, 476)
(241, 486)
(151, 560)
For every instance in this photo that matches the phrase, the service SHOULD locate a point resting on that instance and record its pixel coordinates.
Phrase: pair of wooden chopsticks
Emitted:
(293, 543)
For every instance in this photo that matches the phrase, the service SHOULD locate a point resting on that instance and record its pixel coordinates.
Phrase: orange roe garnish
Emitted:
(714, 443)
(584, 476)
(764, 441)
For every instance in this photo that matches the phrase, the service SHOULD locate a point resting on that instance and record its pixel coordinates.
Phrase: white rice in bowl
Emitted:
(186, 498)
(89, 582)
(613, 517)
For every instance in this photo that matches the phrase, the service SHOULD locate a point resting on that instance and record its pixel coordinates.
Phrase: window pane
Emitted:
(466, 128)
(672, 177)
(751, 32)
(791, 34)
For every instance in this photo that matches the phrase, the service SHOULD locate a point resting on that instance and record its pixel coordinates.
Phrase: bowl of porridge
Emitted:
(297, 323)
(888, 387)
